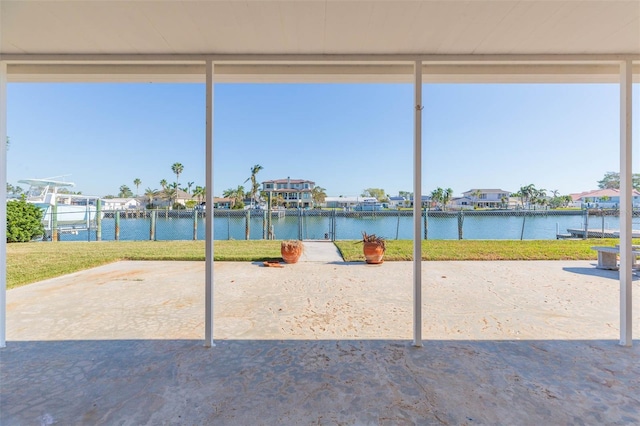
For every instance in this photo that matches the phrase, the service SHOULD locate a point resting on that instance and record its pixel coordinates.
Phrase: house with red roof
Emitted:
(608, 198)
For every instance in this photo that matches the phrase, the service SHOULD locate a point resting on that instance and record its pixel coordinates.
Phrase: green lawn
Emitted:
(31, 262)
(483, 249)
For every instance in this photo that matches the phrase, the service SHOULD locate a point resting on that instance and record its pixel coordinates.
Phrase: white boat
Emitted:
(369, 204)
(73, 212)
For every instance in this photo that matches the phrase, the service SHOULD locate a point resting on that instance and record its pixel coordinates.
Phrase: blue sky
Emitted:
(346, 138)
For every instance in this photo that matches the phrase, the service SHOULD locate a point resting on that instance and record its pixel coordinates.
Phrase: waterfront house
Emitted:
(488, 198)
(602, 198)
(343, 202)
(161, 200)
(397, 202)
(223, 203)
(121, 204)
(218, 203)
(425, 199)
(295, 192)
(461, 203)
(370, 204)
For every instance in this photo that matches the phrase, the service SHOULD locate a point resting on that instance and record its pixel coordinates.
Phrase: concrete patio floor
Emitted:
(321, 343)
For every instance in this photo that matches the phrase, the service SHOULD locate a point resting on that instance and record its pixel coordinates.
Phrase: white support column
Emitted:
(626, 203)
(417, 206)
(208, 321)
(3, 204)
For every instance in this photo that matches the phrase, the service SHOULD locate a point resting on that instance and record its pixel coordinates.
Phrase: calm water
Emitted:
(389, 226)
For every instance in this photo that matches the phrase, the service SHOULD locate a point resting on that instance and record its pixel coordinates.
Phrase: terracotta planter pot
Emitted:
(291, 253)
(373, 252)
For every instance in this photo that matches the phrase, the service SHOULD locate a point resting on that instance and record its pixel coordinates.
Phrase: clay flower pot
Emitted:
(291, 250)
(373, 253)
(373, 248)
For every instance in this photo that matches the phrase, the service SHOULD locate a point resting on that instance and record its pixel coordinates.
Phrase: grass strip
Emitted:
(483, 249)
(32, 262)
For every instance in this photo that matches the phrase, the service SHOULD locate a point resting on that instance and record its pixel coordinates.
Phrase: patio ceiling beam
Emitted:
(250, 58)
(626, 205)
(391, 72)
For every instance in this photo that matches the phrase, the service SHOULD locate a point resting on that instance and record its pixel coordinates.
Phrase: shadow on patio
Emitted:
(319, 382)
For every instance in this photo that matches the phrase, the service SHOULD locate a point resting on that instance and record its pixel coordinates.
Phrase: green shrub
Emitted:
(24, 221)
(178, 206)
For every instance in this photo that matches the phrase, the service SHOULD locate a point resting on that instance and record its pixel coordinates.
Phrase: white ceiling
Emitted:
(321, 27)
(315, 29)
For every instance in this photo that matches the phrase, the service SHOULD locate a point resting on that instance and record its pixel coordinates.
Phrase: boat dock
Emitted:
(594, 233)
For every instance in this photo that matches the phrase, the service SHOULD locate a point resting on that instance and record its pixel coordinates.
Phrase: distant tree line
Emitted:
(611, 180)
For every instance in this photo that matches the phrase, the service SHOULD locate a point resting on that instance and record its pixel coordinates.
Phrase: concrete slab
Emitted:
(320, 251)
(505, 343)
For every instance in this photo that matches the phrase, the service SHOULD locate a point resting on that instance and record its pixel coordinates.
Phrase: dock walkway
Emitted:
(595, 233)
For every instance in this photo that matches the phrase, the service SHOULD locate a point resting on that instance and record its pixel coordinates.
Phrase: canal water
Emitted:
(328, 225)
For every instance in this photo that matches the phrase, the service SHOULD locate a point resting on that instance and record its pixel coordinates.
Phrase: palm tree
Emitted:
(125, 192)
(236, 194)
(177, 169)
(318, 195)
(137, 182)
(255, 186)
(171, 193)
(200, 192)
(447, 194)
(189, 185)
(227, 193)
(150, 194)
(163, 184)
(526, 193)
(504, 200)
(174, 187)
(540, 196)
(279, 200)
(543, 201)
(436, 196)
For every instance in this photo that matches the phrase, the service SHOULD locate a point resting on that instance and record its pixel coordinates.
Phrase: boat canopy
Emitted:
(45, 182)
